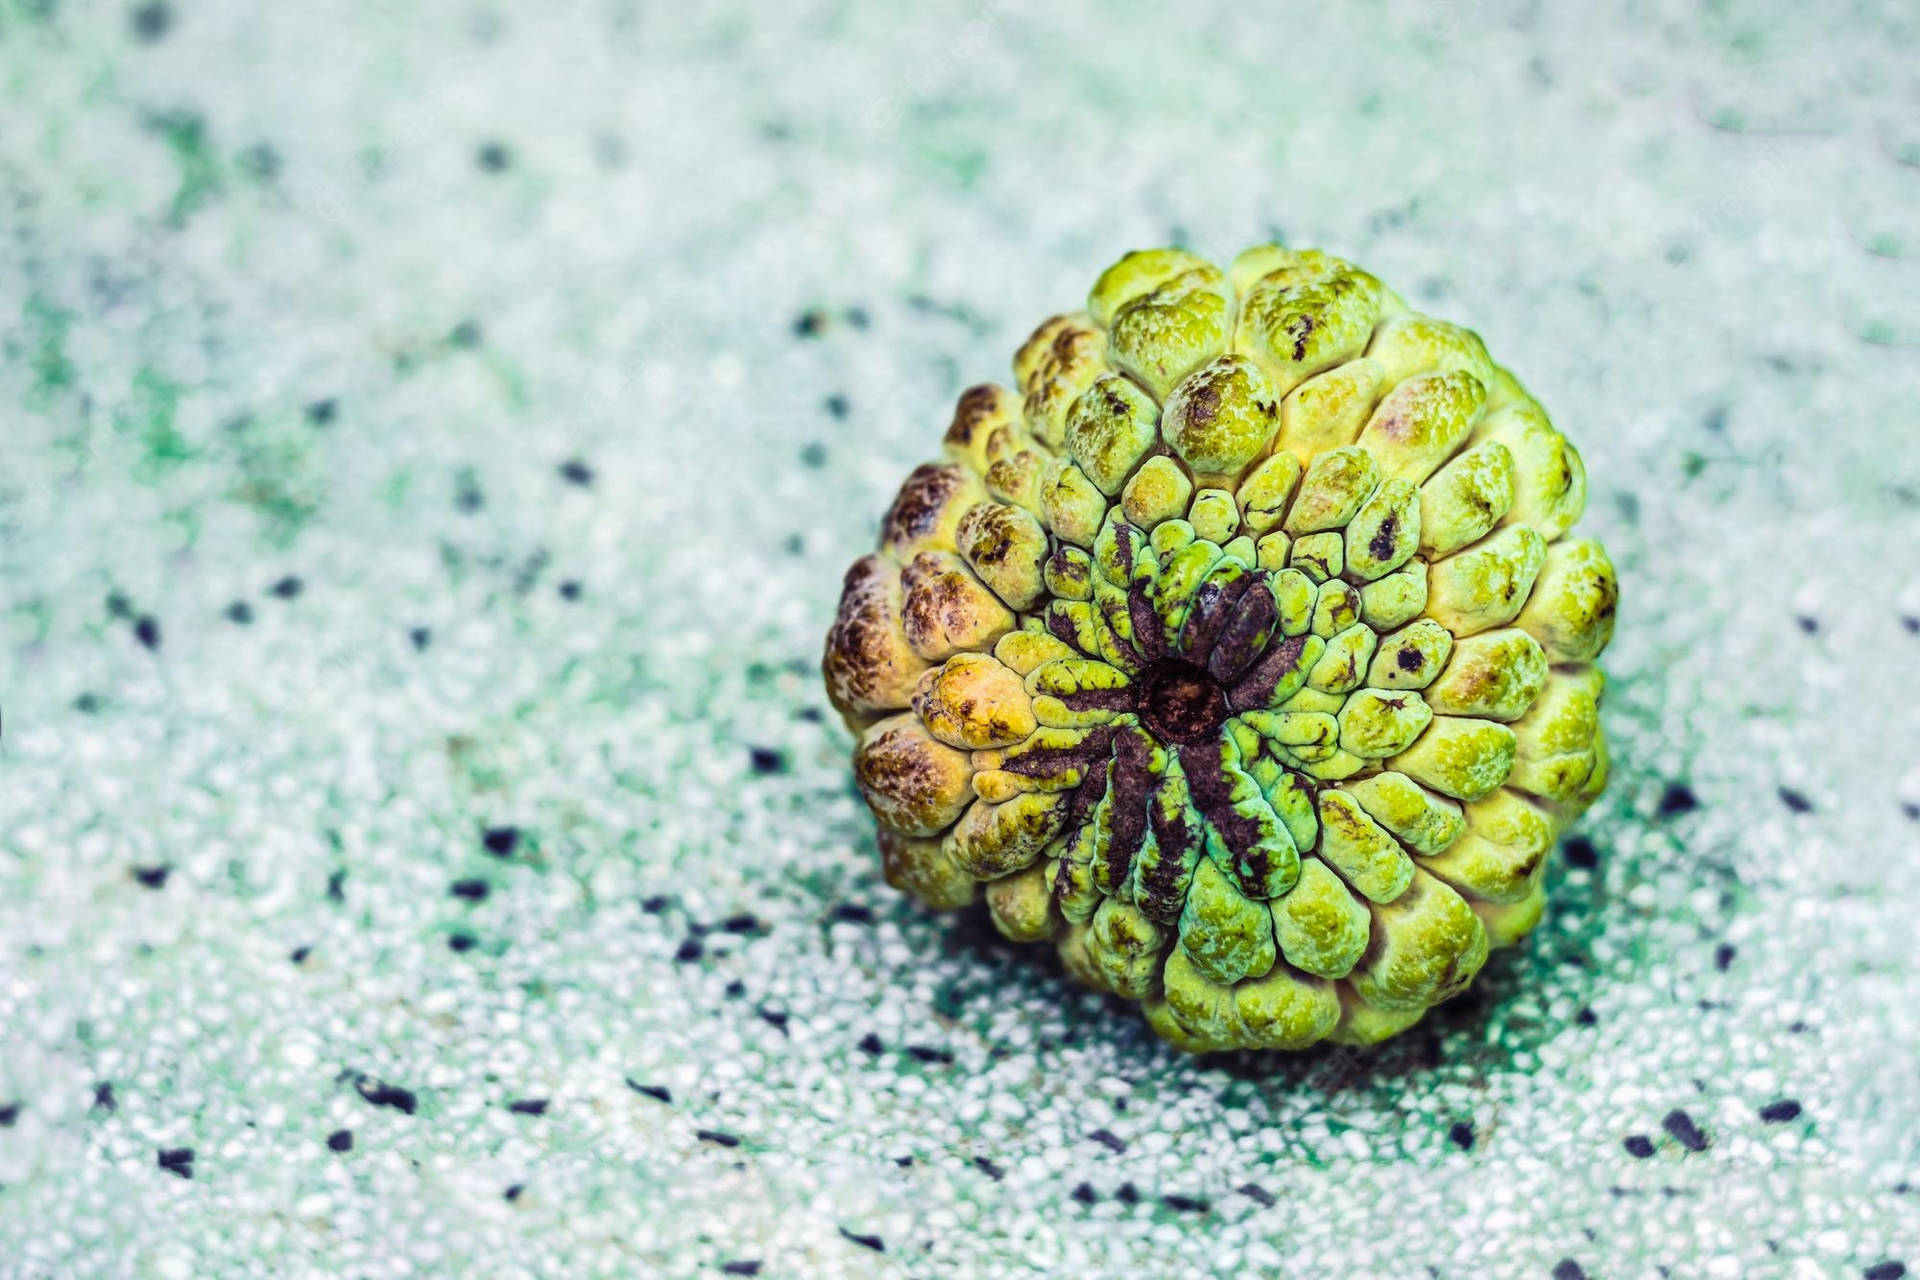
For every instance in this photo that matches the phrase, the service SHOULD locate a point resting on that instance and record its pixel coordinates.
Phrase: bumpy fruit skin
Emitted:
(1240, 652)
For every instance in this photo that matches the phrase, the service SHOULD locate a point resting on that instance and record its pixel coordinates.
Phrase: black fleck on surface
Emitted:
(9, 1114)
(735, 989)
(874, 1243)
(1795, 801)
(742, 922)
(1723, 956)
(853, 913)
(1108, 1139)
(151, 22)
(1461, 1135)
(103, 1099)
(87, 703)
(472, 888)
(719, 1137)
(501, 841)
(1780, 1112)
(1186, 1204)
(1085, 1193)
(512, 1193)
(989, 1168)
(1568, 1269)
(778, 1018)
(767, 760)
(391, 1096)
(299, 954)
(870, 1045)
(1810, 626)
(742, 1267)
(1580, 853)
(1586, 1017)
(420, 637)
(810, 324)
(1258, 1194)
(287, 588)
(690, 949)
(337, 885)
(1677, 799)
(177, 1161)
(153, 877)
(1885, 1271)
(340, 1140)
(576, 472)
(654, 905)
(569, 589)
(930, 1054)
(1638, 1145)
(493, 157)
(240, 612)
(321, 413)
(838, 405)
(1680, 1126)
(659, 1093)
(528, 1106)
(1127, 1193)
(146, 629)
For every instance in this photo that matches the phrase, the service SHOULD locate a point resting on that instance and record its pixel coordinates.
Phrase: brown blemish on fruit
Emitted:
(1382, 544)
(916, 511)
(1302, 329)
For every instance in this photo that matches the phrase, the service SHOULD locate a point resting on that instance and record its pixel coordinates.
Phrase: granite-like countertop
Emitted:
(431, 435)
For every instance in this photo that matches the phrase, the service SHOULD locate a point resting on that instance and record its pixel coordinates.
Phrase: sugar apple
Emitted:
(1240, 653)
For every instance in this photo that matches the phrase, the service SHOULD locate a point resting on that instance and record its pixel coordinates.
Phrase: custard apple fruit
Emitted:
(1241, 652)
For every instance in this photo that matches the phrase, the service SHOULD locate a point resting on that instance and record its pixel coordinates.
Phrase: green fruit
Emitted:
(1240, 652)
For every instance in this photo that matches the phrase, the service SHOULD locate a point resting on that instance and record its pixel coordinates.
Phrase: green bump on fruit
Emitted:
(1486, 585)
(1336, 607)
(1465, 499)
(1385, 532)
(1162, 336)
(1422, 821)
(1332, 491)
(1158, 491)
(1410, 344)
(1411, 657)
(1110, 429)
(1239, 650)
(1071, 504)
(1394, 599)
(1214, 516)
(1227, 935)
(1319, 926)
(1460, 757)
(1495, 675)
(1022, 907)
(1360, 849)
(1124, 947)
(1221, 418)
(1502, 853)
(1263, 496)
(1377, 723)
(1428, 945)
(1319, 555)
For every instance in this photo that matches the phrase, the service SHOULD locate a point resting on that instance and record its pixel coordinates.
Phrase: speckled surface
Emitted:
(433, 434)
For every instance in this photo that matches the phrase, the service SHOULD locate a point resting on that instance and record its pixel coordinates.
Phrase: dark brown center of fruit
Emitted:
(1180, 702)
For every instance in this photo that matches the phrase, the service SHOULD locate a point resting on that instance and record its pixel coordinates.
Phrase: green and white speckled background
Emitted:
(429, 420)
